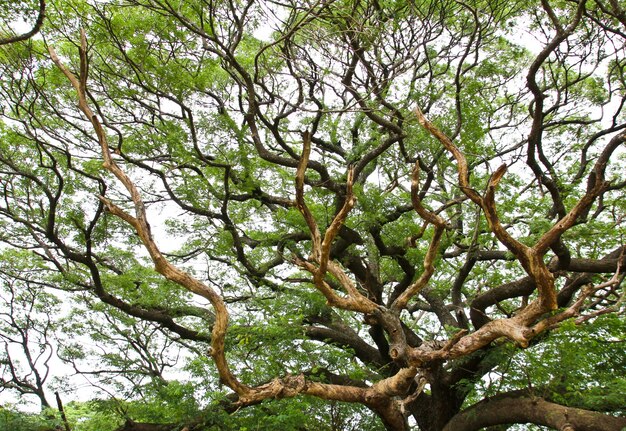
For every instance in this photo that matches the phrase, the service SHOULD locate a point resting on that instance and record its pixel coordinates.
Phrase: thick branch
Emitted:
(321, 248)
(531, 259)
(510, 409)
(140, 223)
(454, 150)
(433, 248)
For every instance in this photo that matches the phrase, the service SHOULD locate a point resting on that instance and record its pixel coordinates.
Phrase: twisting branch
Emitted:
(433, 248)
(300, 203)
(429, 216)
(454, 150)
(338, 221)
(140, 223)
(487, 203)
(321, 248)
(534, 148)
(518, 328)
(531, 260)
(514, 328)
(574, 310)
(33, 31)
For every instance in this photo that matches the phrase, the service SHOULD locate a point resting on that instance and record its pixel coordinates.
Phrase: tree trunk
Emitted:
(434, 411)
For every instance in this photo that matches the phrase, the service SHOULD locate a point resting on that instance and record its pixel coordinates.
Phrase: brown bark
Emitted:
(429, 268)
(525, 286)
(526, 409)
(522, 327)
(140, 223)
(383, 396)
(380, 397)
(321, 247)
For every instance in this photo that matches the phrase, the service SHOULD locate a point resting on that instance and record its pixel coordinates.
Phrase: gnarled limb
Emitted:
(429, 268)
(531, 258)
(321, 248)
(525, 408)
(140, 223)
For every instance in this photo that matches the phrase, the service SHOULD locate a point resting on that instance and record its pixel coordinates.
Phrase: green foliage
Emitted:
(205, 114)
(295, 415)
(12, 420)
(575, 366)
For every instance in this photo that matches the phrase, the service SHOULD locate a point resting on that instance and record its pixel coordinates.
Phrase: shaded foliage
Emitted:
(315, 215)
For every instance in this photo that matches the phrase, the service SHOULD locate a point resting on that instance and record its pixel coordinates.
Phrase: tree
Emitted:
(411, 212)
(22, 11)
(26, 328)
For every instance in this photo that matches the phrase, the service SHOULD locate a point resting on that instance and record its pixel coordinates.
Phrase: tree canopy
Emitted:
(313, 215)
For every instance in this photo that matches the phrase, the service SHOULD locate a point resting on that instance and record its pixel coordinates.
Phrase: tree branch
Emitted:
(512, 408)
(41, 14)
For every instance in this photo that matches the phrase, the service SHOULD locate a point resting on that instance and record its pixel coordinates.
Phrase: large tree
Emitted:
(312, 214)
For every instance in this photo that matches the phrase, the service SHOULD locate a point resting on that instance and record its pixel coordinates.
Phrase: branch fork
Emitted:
(140, 222)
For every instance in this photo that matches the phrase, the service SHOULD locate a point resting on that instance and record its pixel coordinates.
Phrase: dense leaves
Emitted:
(313, 215)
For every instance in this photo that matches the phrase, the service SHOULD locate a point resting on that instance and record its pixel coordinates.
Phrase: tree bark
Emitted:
(512, 409)
(433, 411)
(62, 412)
